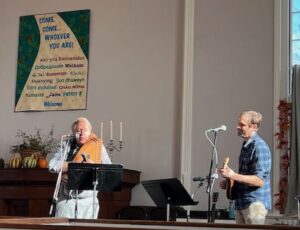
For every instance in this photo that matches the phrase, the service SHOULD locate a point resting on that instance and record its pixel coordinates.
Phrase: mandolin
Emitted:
(230, 193)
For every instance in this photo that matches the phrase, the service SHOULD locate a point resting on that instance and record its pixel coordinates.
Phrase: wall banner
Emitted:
(52, 72)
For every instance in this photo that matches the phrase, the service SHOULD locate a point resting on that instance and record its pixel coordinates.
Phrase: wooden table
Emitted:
(29, 192)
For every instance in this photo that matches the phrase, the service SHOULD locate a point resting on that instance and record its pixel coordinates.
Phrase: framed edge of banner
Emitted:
(52, 67)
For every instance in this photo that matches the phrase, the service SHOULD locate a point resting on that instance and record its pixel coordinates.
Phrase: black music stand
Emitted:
(168, 192)
(96, 177)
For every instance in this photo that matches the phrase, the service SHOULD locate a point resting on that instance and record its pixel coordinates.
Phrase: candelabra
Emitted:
(111, 146)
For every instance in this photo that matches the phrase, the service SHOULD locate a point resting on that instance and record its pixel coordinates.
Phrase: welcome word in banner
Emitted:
(52, 72)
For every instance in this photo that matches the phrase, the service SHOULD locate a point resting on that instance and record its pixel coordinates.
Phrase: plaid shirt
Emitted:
(255, 159)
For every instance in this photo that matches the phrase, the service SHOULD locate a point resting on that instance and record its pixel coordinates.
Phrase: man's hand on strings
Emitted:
(226, 172)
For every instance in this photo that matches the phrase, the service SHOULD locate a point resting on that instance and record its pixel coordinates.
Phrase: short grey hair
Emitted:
(81, 119)
(253, 117)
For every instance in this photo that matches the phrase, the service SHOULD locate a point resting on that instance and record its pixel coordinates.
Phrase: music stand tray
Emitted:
(84, 176)
(96, 177)
(168, 192)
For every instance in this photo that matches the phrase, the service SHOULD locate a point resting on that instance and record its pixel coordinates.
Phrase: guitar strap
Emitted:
(73, 151)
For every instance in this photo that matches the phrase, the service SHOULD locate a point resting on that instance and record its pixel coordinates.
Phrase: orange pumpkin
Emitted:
(42, 163)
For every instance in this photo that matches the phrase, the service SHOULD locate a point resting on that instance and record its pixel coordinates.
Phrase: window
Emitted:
(295, 32)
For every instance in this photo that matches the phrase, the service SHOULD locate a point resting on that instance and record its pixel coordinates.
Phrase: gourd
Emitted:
(15, 161)
(42, 163)
(29, 162)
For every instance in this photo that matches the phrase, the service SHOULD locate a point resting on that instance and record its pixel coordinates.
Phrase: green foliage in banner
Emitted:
(79, 23)
(29, 42)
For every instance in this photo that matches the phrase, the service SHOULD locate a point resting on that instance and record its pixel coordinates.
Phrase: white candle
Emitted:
(121, 131)
(101, 130)
(111, 130)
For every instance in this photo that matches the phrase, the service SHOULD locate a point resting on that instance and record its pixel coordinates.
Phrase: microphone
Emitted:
(221, 128)
(200, 178)
(68, 136)
(213, 176)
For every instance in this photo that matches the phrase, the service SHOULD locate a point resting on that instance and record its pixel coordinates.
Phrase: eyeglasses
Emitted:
(77, 134)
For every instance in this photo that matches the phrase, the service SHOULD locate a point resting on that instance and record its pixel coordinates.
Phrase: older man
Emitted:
(85, 147)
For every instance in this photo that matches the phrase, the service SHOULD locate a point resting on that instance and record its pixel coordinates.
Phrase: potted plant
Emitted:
(35, 145)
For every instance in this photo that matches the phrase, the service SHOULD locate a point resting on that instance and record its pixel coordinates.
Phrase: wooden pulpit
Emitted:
(28, 192)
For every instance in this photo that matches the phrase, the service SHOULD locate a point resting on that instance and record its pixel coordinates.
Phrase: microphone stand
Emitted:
(211, 180)
(192, 196)
(58, 181)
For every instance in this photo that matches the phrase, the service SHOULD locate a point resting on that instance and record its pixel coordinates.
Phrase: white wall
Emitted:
(233, 73)
(135, 76)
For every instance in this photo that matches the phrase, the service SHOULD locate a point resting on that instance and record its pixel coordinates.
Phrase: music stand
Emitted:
(100, 177)
(168, 192)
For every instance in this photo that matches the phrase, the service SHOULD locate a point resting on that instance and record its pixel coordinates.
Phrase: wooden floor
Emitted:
(62, 223)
